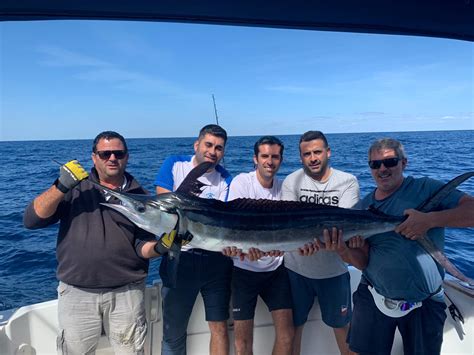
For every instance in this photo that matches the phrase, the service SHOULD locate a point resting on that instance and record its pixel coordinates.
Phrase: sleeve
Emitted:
(237, 188)
(32, 221)
(351, 195)
(227, 179)
(287, 190)
(141, 238)
(164, 178)
(450, 201)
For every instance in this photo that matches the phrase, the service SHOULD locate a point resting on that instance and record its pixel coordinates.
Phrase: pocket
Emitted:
(63, 289)
(131, 338)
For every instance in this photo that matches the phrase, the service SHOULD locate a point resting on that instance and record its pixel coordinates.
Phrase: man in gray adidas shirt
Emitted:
(323, 274)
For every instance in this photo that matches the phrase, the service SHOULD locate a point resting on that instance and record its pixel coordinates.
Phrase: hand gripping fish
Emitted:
(264, 224)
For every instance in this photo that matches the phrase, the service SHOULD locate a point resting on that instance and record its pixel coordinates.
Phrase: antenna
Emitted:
(215, 109)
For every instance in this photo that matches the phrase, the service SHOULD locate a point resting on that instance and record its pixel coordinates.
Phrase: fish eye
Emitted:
(141, 208)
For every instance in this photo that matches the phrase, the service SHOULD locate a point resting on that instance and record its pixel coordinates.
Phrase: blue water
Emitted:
(27, 258)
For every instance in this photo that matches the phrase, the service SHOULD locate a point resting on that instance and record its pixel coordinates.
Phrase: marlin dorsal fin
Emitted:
(191, 184)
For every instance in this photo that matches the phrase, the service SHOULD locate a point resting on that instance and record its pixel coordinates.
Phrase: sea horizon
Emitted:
(238, 136)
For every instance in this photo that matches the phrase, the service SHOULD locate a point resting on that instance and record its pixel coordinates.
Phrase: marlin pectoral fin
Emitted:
(173, 259)
(172, 265)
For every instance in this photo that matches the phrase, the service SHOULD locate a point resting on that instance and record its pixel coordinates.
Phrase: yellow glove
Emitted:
(70, 174)
(166, 242)
(167, 239)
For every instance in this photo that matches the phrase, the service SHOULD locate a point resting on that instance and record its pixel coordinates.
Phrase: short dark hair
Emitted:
(271, 140)
(108, 135)
(312, 135)
(214, 130)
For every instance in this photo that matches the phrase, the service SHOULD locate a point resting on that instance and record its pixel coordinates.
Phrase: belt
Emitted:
(390, 307)
(396, 308)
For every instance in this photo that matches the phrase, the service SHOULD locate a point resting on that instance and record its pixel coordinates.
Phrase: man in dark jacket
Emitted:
(102, 256)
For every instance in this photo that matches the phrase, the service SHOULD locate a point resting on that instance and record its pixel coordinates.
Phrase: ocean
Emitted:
(27, 258)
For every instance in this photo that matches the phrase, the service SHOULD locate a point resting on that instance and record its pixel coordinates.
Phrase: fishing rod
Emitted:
(217, 122)
(215, 109)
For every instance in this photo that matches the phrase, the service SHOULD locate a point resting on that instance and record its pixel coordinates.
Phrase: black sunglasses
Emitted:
(389, 163)
(106, 154)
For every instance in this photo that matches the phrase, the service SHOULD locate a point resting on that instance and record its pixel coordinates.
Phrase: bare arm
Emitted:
(357, 256)
(418, 223)
(45, 205)
(148, 250)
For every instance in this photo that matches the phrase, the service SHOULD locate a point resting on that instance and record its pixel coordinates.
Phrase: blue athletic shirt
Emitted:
(176, 167)
(400, 268)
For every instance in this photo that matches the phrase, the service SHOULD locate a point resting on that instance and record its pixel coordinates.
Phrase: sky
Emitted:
(73, 79)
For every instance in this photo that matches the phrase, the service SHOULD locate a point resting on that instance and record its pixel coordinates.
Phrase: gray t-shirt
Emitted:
(399, 268)
(342, 190)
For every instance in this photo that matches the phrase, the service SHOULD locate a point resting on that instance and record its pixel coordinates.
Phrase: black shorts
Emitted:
(272, 286)
(372, 332)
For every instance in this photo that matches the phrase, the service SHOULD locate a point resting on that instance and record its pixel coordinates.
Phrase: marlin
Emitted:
(264, 224)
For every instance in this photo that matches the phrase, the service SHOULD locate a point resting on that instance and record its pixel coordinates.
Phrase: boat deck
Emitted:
(32, 329)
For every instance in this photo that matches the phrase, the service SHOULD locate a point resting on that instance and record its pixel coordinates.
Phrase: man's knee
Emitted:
(72, 343)
(283, 320)
(243, 331)
(218, 328)
(174, 346)
(129, 340)
(243, 345)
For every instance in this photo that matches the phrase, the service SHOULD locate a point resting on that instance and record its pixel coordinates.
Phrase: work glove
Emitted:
(165, 242)
(70, 174)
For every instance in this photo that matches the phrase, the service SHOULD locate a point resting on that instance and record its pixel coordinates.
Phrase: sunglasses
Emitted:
(106, 154)
(389, 163)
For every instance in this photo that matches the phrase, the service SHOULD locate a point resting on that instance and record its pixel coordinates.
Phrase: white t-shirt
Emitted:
(246, 185)
(342, 190)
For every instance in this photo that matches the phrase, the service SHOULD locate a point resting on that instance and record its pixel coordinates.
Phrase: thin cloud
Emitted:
(60, 57)
(129, 80)
(372, 113)
(290, 89)
(93, 69)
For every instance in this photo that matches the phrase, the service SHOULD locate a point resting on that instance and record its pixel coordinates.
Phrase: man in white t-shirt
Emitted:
(323, 274)
(199, 270)
(265, 277)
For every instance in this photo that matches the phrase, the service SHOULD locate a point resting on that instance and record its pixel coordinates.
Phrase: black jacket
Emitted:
(97, 247)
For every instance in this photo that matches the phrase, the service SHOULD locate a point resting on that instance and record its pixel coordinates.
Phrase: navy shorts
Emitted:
(334, 295)
(372, 332)
(199, 271)
(272, 286)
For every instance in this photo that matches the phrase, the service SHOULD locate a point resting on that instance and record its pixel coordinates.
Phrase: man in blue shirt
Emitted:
(401, 286)
(199, 270)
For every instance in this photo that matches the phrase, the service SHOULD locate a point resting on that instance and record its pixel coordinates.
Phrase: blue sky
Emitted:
(73, 79)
